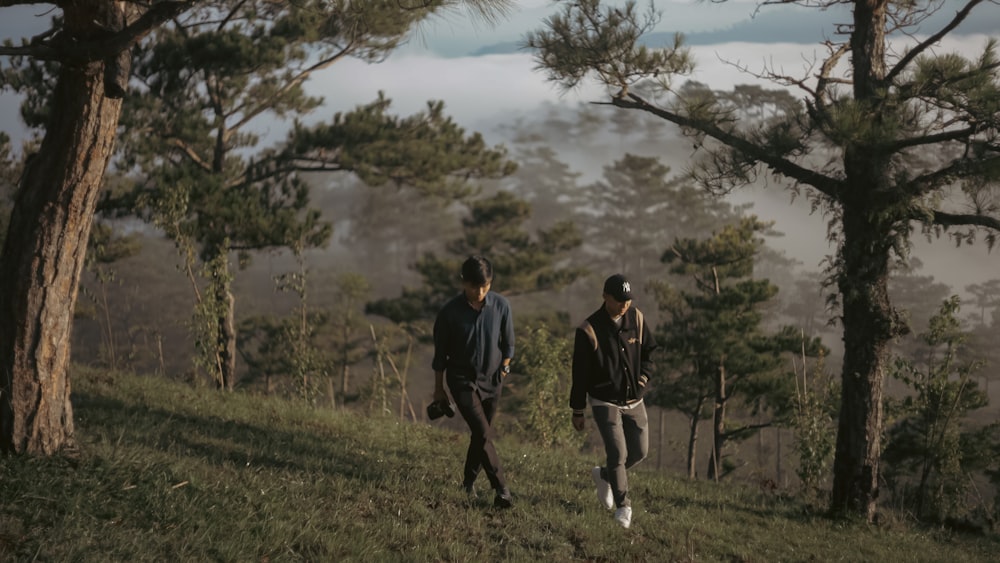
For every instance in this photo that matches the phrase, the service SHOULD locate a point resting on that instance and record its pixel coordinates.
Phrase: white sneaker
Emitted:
(624, 516)
(603, 489)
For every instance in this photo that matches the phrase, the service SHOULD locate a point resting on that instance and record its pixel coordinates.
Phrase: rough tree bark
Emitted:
(227, 338)
(44, 250)
(693, 440)
(718, 423)
(868, 321)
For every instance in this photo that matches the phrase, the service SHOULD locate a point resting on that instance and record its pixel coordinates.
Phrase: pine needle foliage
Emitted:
(931, 451)
(541, 361)
(888, 135)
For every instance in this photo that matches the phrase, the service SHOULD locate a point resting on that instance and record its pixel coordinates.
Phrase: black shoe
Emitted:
(470, 489)
(503, 499)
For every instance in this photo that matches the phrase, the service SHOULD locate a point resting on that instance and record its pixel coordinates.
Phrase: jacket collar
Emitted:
(627, 322)
(488, 301)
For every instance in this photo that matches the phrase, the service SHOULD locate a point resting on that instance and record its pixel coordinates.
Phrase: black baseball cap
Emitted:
(618, 287)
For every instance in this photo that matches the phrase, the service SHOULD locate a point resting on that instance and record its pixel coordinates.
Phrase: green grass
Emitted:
(168, 472)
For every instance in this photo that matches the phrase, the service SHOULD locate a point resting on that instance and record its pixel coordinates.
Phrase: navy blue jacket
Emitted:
(470, 345)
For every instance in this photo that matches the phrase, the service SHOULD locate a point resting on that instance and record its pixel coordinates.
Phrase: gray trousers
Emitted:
(626, 442)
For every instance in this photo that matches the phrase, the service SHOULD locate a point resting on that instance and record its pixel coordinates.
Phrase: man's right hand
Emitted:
(578, 420)
(440, 395)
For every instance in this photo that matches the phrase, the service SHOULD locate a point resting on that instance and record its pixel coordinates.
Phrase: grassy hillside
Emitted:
(167, 472)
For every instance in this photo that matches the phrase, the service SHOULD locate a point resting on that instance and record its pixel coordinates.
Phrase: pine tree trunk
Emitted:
(867, 329)
(227, 335)
(718, 424)
(692, 444)
(661, 440)
(330, 394)
(44, 250)
(345, 372)
(869, 325)
(868, 320)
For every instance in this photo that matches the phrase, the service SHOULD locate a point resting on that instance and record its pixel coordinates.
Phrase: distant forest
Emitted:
(135, 312)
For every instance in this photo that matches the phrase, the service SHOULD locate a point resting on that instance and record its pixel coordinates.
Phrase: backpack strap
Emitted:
(587, 329)
(638, 324)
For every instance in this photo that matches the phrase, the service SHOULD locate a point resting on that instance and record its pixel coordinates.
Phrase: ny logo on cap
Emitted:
(626, 288)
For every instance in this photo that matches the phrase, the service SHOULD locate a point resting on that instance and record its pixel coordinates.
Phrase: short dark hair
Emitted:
(477, 270)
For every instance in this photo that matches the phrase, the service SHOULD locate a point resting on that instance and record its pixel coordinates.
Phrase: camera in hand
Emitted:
(437, 409)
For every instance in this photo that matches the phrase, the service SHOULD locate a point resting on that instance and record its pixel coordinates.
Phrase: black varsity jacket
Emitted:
(611, 364)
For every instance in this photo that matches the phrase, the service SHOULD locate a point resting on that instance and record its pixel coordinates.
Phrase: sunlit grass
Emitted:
(167, 472)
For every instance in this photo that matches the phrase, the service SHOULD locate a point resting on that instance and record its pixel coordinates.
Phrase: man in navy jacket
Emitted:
(473, 346)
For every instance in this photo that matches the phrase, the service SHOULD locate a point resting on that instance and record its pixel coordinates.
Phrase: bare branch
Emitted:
(283, 167)
(945, 136)
(824, 78)
(822, 4)
(967, 219)
(40, 51)
(932, 40)
(229, 17)
(744, 430)
(9, 3)
(782, 79)
(190, 153)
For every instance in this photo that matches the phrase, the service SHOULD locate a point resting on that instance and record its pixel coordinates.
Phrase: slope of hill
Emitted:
(170, 472)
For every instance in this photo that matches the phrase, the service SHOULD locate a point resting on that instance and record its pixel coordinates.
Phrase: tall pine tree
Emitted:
(869, 110)
(204, 87)
(716, 352)
(89, 45)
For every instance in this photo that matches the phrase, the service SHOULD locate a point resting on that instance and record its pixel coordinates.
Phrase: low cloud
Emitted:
(482, 89)
(483, 92)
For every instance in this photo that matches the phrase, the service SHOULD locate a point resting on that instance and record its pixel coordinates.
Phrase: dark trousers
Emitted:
(478, 414)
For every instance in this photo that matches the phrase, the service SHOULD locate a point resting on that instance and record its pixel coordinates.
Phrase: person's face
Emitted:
(614, 307)
(475, 293)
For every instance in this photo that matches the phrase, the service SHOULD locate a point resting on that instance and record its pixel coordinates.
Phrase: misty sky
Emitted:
(482, 92)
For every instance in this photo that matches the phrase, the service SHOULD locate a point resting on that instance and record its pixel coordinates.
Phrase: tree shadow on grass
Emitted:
(228, 443)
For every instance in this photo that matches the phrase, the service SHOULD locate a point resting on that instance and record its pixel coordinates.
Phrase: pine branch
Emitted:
(945, 136)
(283, 167)
(66, 49)
(736, 433)
(268, 103)
(192, 155)
(962, 168)
(931, 41)
(930, 90)
(966, 219)
(825, 78)
(825, 184)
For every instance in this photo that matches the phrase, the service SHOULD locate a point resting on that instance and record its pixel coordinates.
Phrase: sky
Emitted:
(483, 92)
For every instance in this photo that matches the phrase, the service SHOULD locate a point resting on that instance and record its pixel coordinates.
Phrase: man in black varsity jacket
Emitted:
(611, 367)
